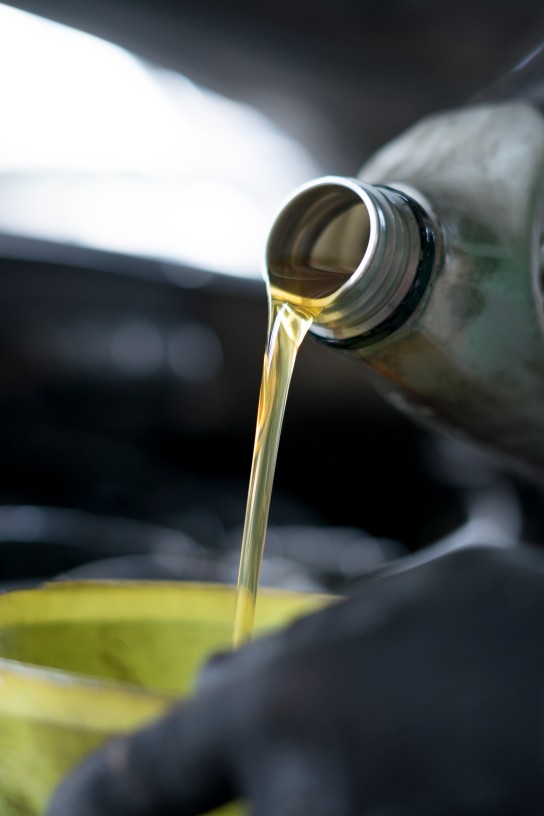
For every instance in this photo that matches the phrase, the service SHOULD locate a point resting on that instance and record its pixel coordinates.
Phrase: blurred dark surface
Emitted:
(114, 446)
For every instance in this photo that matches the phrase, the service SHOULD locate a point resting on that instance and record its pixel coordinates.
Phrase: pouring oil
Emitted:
(287, 329)
(310, 277)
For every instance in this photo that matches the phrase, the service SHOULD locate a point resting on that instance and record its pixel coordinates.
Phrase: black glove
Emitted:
(422, 695)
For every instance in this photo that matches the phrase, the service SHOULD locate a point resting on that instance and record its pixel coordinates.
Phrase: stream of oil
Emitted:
(298, 288)
(287, 328)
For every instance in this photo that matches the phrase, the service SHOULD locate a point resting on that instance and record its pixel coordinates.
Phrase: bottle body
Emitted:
(469, 355)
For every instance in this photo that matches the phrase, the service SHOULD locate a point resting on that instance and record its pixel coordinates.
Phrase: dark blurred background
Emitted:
(130, 364)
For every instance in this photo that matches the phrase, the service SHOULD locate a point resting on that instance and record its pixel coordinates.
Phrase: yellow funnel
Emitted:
(81, 662)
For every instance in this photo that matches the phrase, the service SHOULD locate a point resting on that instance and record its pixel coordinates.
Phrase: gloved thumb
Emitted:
(175, 765)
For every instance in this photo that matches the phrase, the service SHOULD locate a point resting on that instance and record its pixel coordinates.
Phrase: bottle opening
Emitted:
(318, 241)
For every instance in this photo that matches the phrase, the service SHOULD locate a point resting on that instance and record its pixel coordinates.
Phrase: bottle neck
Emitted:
(358, 255)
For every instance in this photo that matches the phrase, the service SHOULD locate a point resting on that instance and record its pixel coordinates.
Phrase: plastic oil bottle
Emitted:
(444, 306)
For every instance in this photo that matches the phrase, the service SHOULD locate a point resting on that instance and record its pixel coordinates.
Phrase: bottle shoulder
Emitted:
(479, 173)
(482, 163)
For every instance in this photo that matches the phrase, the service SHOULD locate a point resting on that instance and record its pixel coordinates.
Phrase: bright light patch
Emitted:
(101, 149)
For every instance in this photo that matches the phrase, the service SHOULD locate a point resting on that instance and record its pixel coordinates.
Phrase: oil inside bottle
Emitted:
(298, 285)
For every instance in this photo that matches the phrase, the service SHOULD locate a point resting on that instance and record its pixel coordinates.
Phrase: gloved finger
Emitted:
(225, 666)
(297, 782)
(178, 764)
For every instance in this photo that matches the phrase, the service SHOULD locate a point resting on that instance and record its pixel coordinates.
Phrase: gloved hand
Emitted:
(422, 695)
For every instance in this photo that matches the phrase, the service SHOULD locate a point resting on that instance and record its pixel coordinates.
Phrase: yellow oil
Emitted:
(297, 292)
(287, 329)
